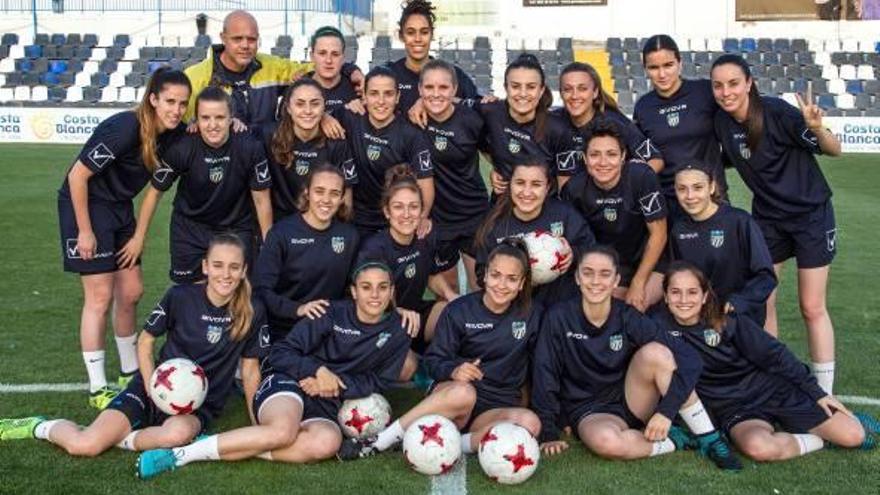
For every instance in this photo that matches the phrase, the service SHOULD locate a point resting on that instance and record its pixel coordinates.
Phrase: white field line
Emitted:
(453, 482)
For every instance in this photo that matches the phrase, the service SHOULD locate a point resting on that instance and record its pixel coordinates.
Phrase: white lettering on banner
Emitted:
(51, 125)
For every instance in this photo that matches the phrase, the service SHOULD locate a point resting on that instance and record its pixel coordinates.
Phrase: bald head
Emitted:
(240, 37)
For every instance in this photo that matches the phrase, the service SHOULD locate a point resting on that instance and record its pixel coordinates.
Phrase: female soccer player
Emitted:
(379, 140)
(616, 377)
(677, 117)
(751, 381)
(772, 144)
(306, 257)
(587, 104)
(213, 324)
(296, 143)
(328, 55)
(461, 199)
(480, 357)
(724, 243)
(217, 168)
(529, 208)
(354, 349)
(96, 217)
(625, 207)
(416, 31)
(415, 263)
(520, 128)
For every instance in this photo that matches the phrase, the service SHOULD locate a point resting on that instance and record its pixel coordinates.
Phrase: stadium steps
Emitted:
(598, 58)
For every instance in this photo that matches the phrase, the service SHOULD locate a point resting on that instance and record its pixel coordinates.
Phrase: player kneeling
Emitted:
(751, 381)
(479, 358)
(212, 324)
(616, 377)
(351, 351)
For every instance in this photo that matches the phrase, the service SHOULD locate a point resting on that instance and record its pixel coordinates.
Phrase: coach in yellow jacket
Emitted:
(254, 80)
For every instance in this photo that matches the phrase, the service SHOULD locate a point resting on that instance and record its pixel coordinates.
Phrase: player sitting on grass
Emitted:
(185, 316)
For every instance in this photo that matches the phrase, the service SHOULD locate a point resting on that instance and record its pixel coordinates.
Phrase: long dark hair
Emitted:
(416, 7)
(755, 115)
(284, 139)
(657, 43)
(711, 313)
(146, 114)
(516, 248)
(324, 168)
(603, 101)
(240, 308)
(504, 207)
(529, 61)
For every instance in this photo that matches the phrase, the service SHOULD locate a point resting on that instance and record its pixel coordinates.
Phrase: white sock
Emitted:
(824, 373)
(266, 456)
(807, 442)
(42, 430)
(664, 446)
(95, 368)
(203, 450)
(389, 436)
(466, 443)
(128, 359)
(697, 419)
(127, 443)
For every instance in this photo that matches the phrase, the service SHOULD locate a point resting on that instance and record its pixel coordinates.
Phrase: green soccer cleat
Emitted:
(152, 463)
(716, 448)
(124, 379)
(102, 397)
(19, 428)
(682, 439)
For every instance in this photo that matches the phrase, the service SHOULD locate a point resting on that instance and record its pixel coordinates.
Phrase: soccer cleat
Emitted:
(102, 397)
(352, 449)
(152, 463)
(19, 428)
(682, 439)
(716, 448)
(124, 379)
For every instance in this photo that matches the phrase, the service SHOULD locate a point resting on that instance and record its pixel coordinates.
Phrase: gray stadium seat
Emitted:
(181, 52)
(41, 39)
(57, 39)
(351, 41)
(631, 44)
(621, 84)
(614, 44)
(799, 45)
(100, 79)
(782, 85)
(482, 42)
(284, 41)
(383, 41)
(564, 44)
(625, 99)
(198, 53)
(753, 58)
(765, 45)
(108, 66)
(147, 52)
(90, 40)
(57, 94)
(122, 40)
(771, 58)
(115, 53)
(74, 39)
(82, 52)
(9, 39)
(872, 112)
(50, 51)
(4, 51)
(782, 45)
(872, 87)
(164, 53)
(864, 101)
(787, 58)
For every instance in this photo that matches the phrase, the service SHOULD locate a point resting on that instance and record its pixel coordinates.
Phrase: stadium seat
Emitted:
(163, 53)
(847, 72)
(871, 112)
(83, 79)
(56, 94)
(753, 58)
(614, 44)
(117, 80)
(113, 53)
(775, 71)
(854, 87)
(765, 44)
(124, 67)
(127, 94)
(100, 79)
(285, 40)
(132, 52)
(826, 101)
(631, 44)
(782, 85)
(833, 112)
(6, 95)
(730, 45)
(864, 101)
(73, 39)
(41, 39)
(865, 72)
(109, 95)
(139, 67)
(748, 45)
(134, 79)
(202, 40)
(771, 58)
(24, 65)
(33, 51)
(39, 93)
(147, 53)
(9, 39)
(7, 65)
(90, 40)
(58, 39)
(787, 58)
(845, 101)
(849, 45)
(58, 66)
(782, 45)
(830, 72)
(49, 78)
(152, 65)
(872, 87)
(837, 86)
(91, 94)
(22, 93)
(799, 45)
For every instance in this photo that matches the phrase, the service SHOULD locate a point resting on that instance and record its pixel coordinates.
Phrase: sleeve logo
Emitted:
(650, 203)
(262, 170)
(349, 170)
(425, 161)
(100, 155)
(157, 313)
(161, 174)
(567, 160)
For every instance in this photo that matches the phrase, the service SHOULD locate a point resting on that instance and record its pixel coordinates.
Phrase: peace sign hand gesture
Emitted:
(811, 112)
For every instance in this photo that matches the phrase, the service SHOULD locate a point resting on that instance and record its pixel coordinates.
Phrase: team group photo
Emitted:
(385, 246)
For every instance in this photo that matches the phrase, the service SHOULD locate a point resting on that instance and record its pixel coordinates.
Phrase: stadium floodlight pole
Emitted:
(34, 15)
(285, 18)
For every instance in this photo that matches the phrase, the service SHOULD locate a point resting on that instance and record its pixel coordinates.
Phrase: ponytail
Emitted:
(755, 115)
(240, 308)
(146, 113)
(711, 313)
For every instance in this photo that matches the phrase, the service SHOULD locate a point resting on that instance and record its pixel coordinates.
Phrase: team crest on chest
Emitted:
(214, 333)
(616, 342)
(672, 119)
(441, 143)
(744, 151)
(712, 337)
(302, 167)
(383, 337)
(557, 229)
(374, 152)
(514, 146)
(410, 270)
(518, 329)
(716, 238)
(215, 173)
(337, 243)
(610, 214)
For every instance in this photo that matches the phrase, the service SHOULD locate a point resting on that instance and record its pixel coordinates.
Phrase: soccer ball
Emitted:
(546, 253)
(509, 454)
(432, 445)
(178, 386)
(364, 417)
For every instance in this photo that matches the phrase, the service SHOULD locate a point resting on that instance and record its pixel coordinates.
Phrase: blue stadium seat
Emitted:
(748, 45)
(58, 66)
(100, 79)
(24, 65)
(49, 79)
(854, 87)
(826, 101)
(58, 39)
(799, 85)
(616, 58)
(90, 40)
(877, 47)
(82, 52)
(730, 45)
(121, 40)
(108, 66)
(33, 51)
(4, 51)
(9, 39)
(782, 45)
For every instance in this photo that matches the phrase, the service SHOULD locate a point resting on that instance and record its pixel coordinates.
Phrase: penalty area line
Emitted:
(35, 388)
(453, 482)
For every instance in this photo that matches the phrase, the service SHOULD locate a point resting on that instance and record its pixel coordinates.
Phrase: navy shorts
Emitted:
(613, 403)
(189, 242)
(281, 385)
(113, 225)
(456, 239)
(788, 407)
(487, 401)
(810, 238)
(142, 412)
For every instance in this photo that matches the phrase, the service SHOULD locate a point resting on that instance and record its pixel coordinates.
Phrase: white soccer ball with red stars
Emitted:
(178, 386)
(546, 254)
(432, 445)
(364, 417)
(509, 454)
